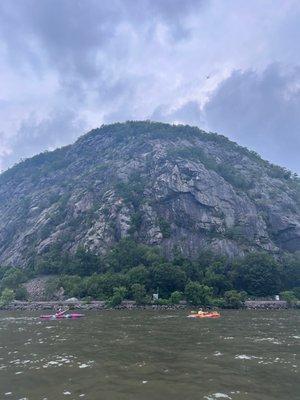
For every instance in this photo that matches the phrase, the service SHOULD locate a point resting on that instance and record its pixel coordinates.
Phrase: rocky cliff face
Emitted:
(173, 186)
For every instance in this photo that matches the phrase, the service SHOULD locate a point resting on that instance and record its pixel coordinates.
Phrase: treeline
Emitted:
(135, 271)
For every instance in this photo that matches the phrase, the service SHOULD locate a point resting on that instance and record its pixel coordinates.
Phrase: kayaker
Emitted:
(61, 312)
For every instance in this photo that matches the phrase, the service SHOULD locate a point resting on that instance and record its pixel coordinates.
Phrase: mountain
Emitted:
(173, 186)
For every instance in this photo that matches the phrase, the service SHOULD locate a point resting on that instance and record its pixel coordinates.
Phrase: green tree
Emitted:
(197, 294)
(289, 297)
(290, 271)
(194, 270)
(296, 291)
(21, 293)
(12, 278)
(118, 296)
(217, 276)
(102, 286)
(128, 254)
(7, 296)
(139, 275)
(167, 278)
(74, 285)
(164, 227)
(234, 299)
(138, 293)
(175, 297)
(85, 263)
(258, 274)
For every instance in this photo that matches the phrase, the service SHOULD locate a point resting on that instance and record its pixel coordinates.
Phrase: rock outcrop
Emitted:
(173, 186)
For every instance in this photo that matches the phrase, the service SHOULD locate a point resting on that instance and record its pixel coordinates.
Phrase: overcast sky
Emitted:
(230, 66)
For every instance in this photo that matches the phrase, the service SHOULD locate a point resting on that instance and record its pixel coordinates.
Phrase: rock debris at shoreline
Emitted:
(102, 305)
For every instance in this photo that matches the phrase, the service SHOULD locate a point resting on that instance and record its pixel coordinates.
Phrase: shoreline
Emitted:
(128, 305)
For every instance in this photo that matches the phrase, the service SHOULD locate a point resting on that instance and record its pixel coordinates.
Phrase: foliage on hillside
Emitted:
(135, 271)
(47, 162)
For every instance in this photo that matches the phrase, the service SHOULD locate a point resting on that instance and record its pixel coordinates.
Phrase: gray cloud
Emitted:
(258, 110)
(69, 65)
(86, 51)
(68, 34)
(49, 133)
(188, 113)
(261, 111)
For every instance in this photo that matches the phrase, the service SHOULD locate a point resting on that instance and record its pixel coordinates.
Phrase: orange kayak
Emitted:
(203, 314)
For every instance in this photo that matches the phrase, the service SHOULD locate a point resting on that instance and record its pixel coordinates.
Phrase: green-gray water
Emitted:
(141, 355)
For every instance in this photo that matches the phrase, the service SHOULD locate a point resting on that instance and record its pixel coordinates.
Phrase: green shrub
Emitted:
(289, 297)
(7, 296)
(197, 294)
(233, 299)
(119, 294)
(162, 302)
(138, 293)
(21, 293)
(164, 227)
(12, 278)
(296, 292)
(176, 297)
(257, 274)
(139, 275)
(136, 222)
(167, 278)
(218, 302)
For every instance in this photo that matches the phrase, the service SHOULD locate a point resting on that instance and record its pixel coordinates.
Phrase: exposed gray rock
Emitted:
(172, 186)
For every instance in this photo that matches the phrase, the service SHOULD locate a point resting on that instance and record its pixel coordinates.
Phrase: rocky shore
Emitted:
(266, 304)
(102, 305)
(82, 305)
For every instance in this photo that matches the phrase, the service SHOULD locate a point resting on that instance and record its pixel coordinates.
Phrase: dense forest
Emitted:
(136, 271)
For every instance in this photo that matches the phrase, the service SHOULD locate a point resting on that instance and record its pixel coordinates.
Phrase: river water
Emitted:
(151, 355)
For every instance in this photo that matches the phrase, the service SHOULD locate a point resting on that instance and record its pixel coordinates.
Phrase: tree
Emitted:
(197, 294)
(175, 297)
(217, 276)
(289, 297)
(296, 291)
(233, 299)
(7, 296)
(119, 294)
(21, 293)
(128, 254)
(52, 262)
(167, 278)
(138, 293)
(85, 263)
(74, 285)
(102, 286)
(139, 275)
(193, 270)
(258, 274)
(290, 271)
(13, 278)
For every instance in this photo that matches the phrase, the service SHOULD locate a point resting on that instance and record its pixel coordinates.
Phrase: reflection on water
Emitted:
(141, 355)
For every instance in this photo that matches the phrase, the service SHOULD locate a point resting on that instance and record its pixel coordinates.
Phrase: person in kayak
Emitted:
(61, 312)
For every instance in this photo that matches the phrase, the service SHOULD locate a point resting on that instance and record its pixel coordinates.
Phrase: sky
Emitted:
(226, 66)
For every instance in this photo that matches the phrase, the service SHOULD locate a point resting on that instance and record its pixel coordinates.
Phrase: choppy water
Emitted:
(141, 355)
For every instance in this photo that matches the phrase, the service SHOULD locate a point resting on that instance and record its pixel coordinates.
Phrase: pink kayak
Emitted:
(62, 316)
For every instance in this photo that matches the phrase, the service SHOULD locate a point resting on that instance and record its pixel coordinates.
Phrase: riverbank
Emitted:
(127, 305)
(83, 305)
